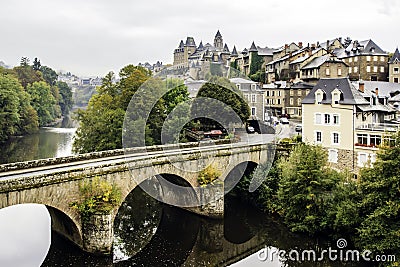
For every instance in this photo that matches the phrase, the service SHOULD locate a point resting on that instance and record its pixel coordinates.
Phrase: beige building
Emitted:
(326, 66)
(366, 61)
(348, 125)
(394, 67)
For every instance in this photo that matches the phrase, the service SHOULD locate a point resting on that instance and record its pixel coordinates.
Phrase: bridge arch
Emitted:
(66, 225)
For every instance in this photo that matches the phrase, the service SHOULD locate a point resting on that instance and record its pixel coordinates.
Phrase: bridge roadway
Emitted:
(129, 157)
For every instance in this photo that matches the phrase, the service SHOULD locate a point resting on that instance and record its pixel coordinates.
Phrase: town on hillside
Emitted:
(344, 93)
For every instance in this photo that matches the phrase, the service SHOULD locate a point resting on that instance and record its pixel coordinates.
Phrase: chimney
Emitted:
(377, 91)
(301, 44)
(327, 44)
(361, 87)
(317, 43)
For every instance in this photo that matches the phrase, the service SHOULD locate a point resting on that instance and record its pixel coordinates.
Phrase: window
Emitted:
(382, 69)
(299, 92)
(327, 72)
(396, 70)
(368, 58)
(355, 69)
(362, 159)
(396, 80)
(375, 68)
(355, 59)
(388, 141)
(382, 58)
(350, 59)
(273, 93)
(253, 87)
(368, 68)
(336, 119)
(375, 140)
(318, 118)
(307, 91)
(373, 159)
(253, 111)
(318, 137)
(253, 98)
(335, 138)
(291, 101)
(279, 93)
(238, 86)
(327, 119)
(267, 93)
(291, 92)
(362, 139)
(339, 72)
(299, 101)
(375, 58)
(279, 101)
(333, 155)
(350, 69)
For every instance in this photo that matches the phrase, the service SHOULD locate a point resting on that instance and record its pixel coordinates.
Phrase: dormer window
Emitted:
(336, 96)
(253, 87)
(238, 86)
(319, 96)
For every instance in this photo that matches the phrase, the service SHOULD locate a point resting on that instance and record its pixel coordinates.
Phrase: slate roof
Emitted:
(265, 51)
(395, 57)
(351, 96)
(317, 62)
(226, 49)
(367, 47)
(385, 89)
(218, 34)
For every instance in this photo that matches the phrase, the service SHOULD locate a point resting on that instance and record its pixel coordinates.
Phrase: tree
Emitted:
(16, 114)
(49, 75)
(24, 62)
(380, 205)
(65, 101)
(223, 90)
(26, 75)
(36, 64)
(43, 101)
(305, 190)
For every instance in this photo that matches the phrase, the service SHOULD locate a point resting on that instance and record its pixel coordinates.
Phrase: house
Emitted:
(346, 123)
(285, 98)
(394, 67)
(326, 66)
(366, 61)
(254, 96)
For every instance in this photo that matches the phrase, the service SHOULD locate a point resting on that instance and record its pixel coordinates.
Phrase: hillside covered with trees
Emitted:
(30, 97)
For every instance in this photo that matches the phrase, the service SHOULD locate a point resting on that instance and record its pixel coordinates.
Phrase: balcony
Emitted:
(379, 127)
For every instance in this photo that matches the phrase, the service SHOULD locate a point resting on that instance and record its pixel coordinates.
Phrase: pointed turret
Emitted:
(396, 57)
(245, 51)
(201, 47)
(218, 41)
(253, 48)
(182, 44)
(218, 34)
(234, 52)
(226, 49)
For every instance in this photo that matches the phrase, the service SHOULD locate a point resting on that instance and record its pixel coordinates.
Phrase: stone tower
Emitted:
(218, 41)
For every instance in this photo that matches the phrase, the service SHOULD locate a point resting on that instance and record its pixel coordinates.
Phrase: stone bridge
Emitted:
(55, 182)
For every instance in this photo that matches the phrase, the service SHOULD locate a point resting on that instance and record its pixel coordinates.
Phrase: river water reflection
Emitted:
(49, 142)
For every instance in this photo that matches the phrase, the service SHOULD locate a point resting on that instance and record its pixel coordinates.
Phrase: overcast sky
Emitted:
(93, 37)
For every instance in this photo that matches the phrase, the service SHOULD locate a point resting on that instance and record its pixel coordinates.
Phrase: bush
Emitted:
(208, 175)
(97, 197)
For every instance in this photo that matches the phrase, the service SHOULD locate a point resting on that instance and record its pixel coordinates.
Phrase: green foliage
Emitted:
(49, 75)
(65, 100)
(43, 101)
(256, 62)
(208, 175)
(305, 189)
(380, 205)
(101, 123)
(27, 75)
(16, 114)
(223, 90)
(97, 196)
(259, 76)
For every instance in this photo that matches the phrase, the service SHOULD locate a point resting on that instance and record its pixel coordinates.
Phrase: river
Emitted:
(146, 232)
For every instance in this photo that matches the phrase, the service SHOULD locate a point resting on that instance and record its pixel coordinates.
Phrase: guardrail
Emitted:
(381, 127)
